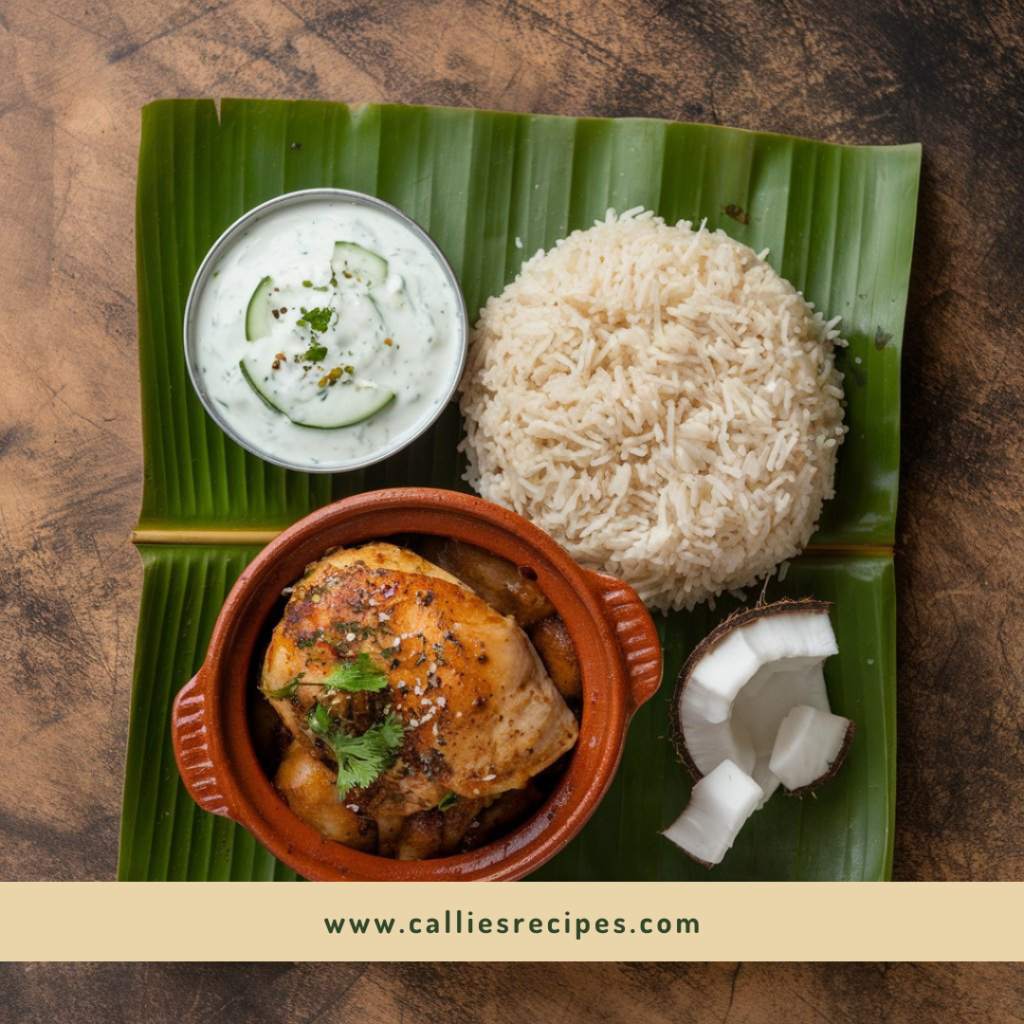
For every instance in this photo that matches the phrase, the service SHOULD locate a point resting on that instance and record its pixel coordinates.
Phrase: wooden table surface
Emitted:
(763, 993)
(73, 76)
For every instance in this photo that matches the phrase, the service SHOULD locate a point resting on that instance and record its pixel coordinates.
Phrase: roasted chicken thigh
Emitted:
(377, 639)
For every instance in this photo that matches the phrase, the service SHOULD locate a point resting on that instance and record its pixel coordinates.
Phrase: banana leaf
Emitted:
(492, 188)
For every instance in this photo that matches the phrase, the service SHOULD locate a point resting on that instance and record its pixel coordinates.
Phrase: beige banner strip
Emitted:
(200, 536)
(512, 921)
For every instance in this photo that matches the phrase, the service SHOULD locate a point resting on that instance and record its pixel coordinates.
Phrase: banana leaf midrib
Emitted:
(199, 535)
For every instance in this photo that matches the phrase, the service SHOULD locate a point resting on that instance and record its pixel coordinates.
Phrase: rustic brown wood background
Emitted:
(900, 993)
(73, 76)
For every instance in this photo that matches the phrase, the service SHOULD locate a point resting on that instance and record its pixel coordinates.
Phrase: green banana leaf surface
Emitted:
(493, 188)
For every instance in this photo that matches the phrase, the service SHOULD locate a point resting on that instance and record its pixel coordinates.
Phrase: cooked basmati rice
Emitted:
(661, 402)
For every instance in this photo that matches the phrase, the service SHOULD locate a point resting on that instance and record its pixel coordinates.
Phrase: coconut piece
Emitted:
(810, 747)
(742, 680)
(719, 806)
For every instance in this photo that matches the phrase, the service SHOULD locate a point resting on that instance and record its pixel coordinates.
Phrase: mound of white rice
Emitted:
(661, 402)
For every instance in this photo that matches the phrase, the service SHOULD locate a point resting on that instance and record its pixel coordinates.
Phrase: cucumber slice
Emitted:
(257, 313)
(351, 260)
(251, 380)
(298, 396)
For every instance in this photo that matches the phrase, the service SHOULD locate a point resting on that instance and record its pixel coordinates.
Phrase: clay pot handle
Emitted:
(636, 634)
(190, 733)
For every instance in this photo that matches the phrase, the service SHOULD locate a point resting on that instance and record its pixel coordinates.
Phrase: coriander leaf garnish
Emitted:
(317, 319)
(353, 676)
(315, 353)
(361, 759)
(288, 690)
(319, 721)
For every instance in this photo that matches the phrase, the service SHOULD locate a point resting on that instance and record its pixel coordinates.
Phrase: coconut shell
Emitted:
(738, 618)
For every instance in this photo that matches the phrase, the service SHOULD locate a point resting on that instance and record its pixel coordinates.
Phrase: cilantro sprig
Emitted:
(315, 353)
(288, 690)
(317, 319)
(361, 759)
(354, 676)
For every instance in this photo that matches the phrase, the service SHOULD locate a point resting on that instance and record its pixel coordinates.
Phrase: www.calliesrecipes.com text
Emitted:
(460, 923)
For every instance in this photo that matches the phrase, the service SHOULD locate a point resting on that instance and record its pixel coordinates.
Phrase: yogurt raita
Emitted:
(327, 333)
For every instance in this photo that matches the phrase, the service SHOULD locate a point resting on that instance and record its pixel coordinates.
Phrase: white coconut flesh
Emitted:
(809, 743)
(719, 807)
(738, 693)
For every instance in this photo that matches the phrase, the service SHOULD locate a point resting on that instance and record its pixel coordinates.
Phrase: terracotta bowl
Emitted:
(614, 636)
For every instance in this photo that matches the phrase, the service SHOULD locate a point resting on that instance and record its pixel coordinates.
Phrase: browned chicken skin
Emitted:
(512, 591)
(509, 589)
(503, 814)
(480, 713)
(555, 647)
(434, 833)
